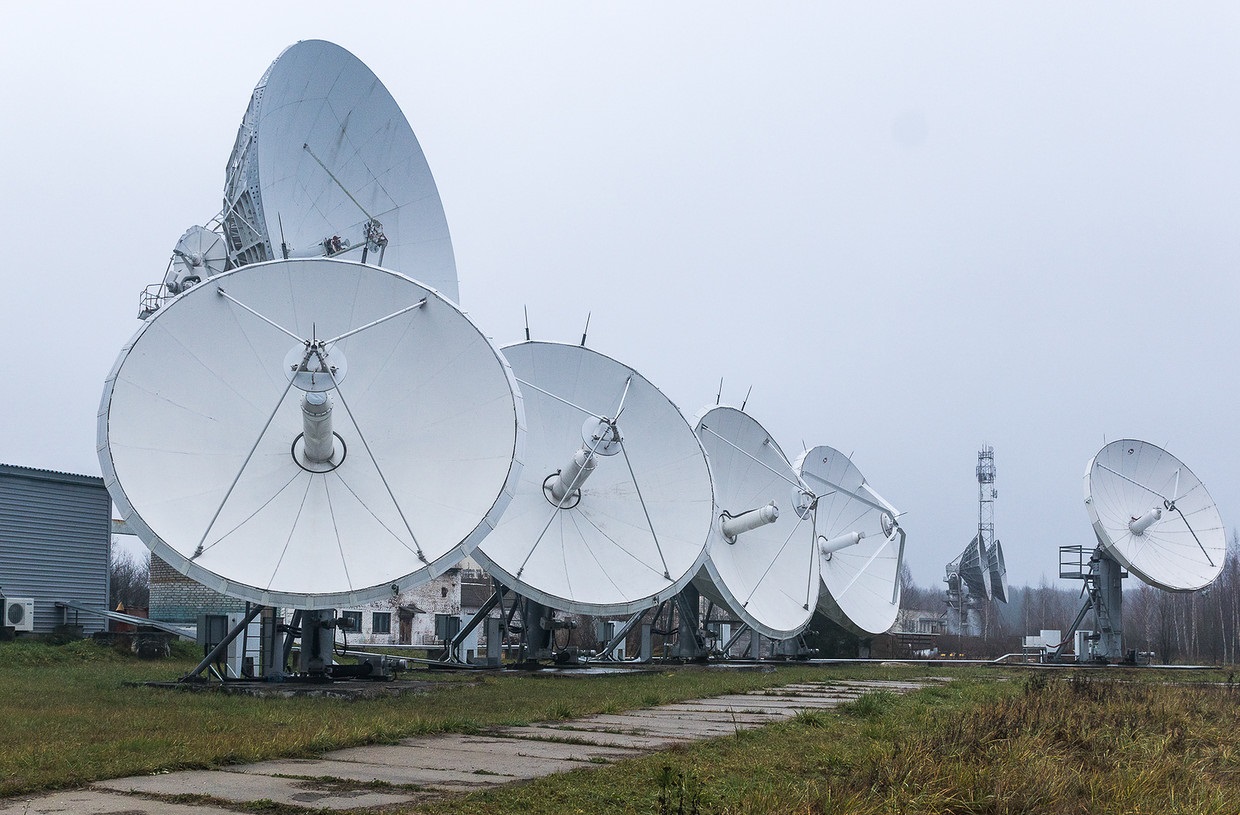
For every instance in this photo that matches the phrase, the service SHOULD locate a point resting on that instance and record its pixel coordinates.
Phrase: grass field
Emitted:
(991, 741)
(70, 718)
(1033, 744)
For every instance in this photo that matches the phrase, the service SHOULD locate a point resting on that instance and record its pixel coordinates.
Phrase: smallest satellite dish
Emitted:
(1154, 516)
(199, 254)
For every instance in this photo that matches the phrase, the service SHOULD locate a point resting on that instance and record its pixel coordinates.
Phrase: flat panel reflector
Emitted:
(628, 526)
(768, 575)
(207, 433)
(860, 582)
(1154, 516)
(326, 164)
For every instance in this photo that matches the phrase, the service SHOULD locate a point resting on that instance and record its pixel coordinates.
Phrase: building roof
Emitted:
(17, 471)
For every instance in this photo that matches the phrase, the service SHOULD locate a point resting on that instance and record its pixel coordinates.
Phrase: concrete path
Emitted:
(417, 769)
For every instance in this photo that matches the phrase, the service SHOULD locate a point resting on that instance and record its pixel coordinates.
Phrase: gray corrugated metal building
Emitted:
(55, 542)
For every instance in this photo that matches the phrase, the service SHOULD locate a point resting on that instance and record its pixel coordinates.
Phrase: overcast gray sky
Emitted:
(912, 228)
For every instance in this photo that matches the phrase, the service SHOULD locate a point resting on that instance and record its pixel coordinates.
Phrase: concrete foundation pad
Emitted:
(244, 787)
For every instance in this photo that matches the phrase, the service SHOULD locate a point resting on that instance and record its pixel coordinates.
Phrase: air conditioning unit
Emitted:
(19, 613)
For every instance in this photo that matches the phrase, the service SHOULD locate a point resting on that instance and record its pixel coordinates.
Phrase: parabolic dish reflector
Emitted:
(213, 446)
(199, 254)
(628, 525)
(975, 568)
(997, 566)
(766, 574)
(861, 579)
(326, 163)
(1154, 516)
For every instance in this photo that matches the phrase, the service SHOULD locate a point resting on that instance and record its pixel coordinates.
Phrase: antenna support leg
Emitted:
(690, 643)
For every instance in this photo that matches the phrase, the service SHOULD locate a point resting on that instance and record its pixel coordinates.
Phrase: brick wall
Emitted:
(176, 598)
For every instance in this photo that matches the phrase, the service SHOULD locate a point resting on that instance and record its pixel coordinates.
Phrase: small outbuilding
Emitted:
(55, 545)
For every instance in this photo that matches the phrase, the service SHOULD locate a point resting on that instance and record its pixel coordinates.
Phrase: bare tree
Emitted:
(130, 578)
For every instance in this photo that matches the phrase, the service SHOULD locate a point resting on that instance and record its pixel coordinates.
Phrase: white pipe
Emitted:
(840, 542)
(316, 415)
(1139, 525)
(747, 521)
(578, 470)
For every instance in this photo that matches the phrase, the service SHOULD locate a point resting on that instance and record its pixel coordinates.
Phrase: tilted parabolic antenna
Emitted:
(326, 164)
(968, 588)
(979, 575)
(975, 569)
(762, 564)
(997, 567)
(1151, 516)
(310, 433)
(614, 505)
(860, 542)
(198, 255)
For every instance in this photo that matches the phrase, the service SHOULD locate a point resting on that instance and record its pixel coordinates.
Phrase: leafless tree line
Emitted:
(129, 577)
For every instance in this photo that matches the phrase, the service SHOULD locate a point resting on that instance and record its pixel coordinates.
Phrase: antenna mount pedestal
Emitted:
(1103, 576)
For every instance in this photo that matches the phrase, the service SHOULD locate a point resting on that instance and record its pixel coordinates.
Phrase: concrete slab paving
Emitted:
(99, 802)
(742, 702)
(725, 715)
(586, 726)
(422, 758)
(366, 772)
(719, 721)
(662, 725)
(520, 758)
(604, 738)
(242, 788)
(500, 744)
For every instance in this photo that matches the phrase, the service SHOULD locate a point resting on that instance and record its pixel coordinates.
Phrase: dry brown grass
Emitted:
(1033, 744)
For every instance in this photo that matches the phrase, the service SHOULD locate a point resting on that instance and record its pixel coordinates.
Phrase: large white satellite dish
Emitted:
(220, 445)
(860, 542)
(326, 164)
(614, 505)
(1154, 516)
(762, 564)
